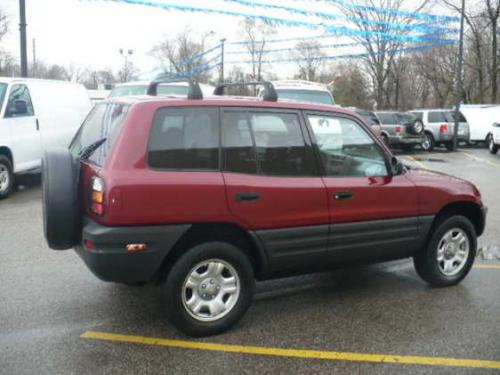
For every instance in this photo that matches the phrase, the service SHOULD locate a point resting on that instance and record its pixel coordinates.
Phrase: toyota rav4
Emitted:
(206, 195)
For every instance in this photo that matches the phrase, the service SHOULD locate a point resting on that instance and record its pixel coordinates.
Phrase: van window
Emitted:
(185, 139)
(19, 93)
(104, 121)
(3, 90)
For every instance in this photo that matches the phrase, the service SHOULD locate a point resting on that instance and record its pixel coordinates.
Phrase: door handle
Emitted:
(342, 195)
(37, 125)
(246, 196)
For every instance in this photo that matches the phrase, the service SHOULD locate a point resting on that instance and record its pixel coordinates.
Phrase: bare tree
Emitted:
(4, 24)
(310, 60)
(181, 55)
(256, 34)
(380, 59)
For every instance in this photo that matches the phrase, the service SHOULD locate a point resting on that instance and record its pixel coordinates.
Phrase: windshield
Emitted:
(3, 90)
(104, 121)
(165, 90)
(311, 96)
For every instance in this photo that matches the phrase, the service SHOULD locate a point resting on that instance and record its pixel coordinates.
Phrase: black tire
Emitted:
(448, 145)
(172, 291)
(8, 184)
(426, 261)
(385, 139)
(429, 143)
(492, 146)
(416, 127)
(61, 208)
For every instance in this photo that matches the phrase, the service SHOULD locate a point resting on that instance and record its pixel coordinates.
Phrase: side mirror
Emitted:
(20, 108)
(396, 166)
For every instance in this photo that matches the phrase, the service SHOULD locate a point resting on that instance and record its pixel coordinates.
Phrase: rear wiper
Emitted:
(86, 152)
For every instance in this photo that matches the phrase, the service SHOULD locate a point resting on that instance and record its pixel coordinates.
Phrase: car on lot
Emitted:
(401, 129)
(494, 140)
(177, 88)
(371, 119)
(35, 115)
(302, 91)
(439, 127)
(205, 196)
(480, 118)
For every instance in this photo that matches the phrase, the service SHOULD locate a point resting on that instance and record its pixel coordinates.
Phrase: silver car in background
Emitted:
(439, 127)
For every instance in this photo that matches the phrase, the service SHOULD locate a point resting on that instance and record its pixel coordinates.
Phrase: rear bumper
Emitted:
(406, 140)
(445, 137)
(110, 260)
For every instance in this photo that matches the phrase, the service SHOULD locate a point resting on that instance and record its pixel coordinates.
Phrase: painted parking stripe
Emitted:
(477, 158)
(419, 163)
(295, 353)
(488, 266)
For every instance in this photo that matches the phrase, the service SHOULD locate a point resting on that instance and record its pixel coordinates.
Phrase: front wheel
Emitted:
(208, 289)
(449, 254)
(492, 146)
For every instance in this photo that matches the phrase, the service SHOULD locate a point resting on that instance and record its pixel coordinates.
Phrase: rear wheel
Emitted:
(428, 143)
(449, 254)
(492, 146)
(208, 289)
(6, 177)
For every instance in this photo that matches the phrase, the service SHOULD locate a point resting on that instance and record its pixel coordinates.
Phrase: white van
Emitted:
(481, 119)
(35, 115)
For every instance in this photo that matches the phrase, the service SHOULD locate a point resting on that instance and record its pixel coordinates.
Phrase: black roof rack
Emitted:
(270, 94)
(194, 90)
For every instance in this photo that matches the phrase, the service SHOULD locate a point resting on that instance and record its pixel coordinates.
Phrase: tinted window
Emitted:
(19, 93)
(3, 90)
(437, 117)
(346, 149)
(309, 96)
(281, 150)
(104, 121)
(386, 118)
(418, 115)
(239, 151)
(185, 138)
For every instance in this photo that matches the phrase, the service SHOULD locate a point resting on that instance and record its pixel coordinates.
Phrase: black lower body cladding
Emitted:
(110, 260)
(61, 206)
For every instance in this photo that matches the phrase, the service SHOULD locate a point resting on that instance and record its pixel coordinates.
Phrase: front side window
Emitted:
(19, 103)
(346, 149)
(185, 139)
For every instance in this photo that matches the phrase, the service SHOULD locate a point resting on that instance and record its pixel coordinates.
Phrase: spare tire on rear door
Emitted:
(61, 208)
(416, 127)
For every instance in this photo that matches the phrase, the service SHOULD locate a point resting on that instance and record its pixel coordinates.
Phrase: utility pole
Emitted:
(459, 78)
(22, 30)
(125, 54)
(221, 78)
(33, 66)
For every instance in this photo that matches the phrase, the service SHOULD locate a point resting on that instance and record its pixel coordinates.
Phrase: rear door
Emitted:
(272, 184)
(23, 125)
(373, 215)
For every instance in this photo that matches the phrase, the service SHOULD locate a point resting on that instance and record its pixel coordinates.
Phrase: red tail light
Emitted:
(443, 128)
(97, 199)
(398, 129)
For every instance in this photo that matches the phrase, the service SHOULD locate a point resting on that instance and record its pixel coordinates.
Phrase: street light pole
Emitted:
(22, 30)
(221, 78)
(459, 78)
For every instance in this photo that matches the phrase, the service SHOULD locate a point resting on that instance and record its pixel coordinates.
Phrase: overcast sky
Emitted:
(92, 32)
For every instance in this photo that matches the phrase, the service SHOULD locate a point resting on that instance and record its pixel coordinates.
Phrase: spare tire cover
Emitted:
(61, 208)
(417, 127)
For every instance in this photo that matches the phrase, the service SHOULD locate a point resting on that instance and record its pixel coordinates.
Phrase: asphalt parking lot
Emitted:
(57, 318)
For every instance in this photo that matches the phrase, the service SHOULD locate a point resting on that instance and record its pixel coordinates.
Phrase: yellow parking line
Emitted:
(490, 162)
(420, 164)
(296, 353)
(488, 266)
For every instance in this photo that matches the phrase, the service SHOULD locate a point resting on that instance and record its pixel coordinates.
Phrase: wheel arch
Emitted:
(470, 210)
(223, 232)
(4, 150)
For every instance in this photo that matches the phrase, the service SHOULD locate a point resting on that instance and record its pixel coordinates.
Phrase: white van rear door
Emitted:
(25, 136)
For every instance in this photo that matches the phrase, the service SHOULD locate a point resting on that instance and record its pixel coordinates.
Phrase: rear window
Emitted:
(309, 96)
(405, 118)
(418, 115)
(104, 121)
(185, 139)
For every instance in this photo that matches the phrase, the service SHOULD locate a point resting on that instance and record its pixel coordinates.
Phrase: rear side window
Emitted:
(268, 143)
(386, 118)
(185, 139)
(104, 121)
(437, 117)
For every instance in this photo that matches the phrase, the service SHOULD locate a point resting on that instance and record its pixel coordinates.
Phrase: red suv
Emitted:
(205, 196)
